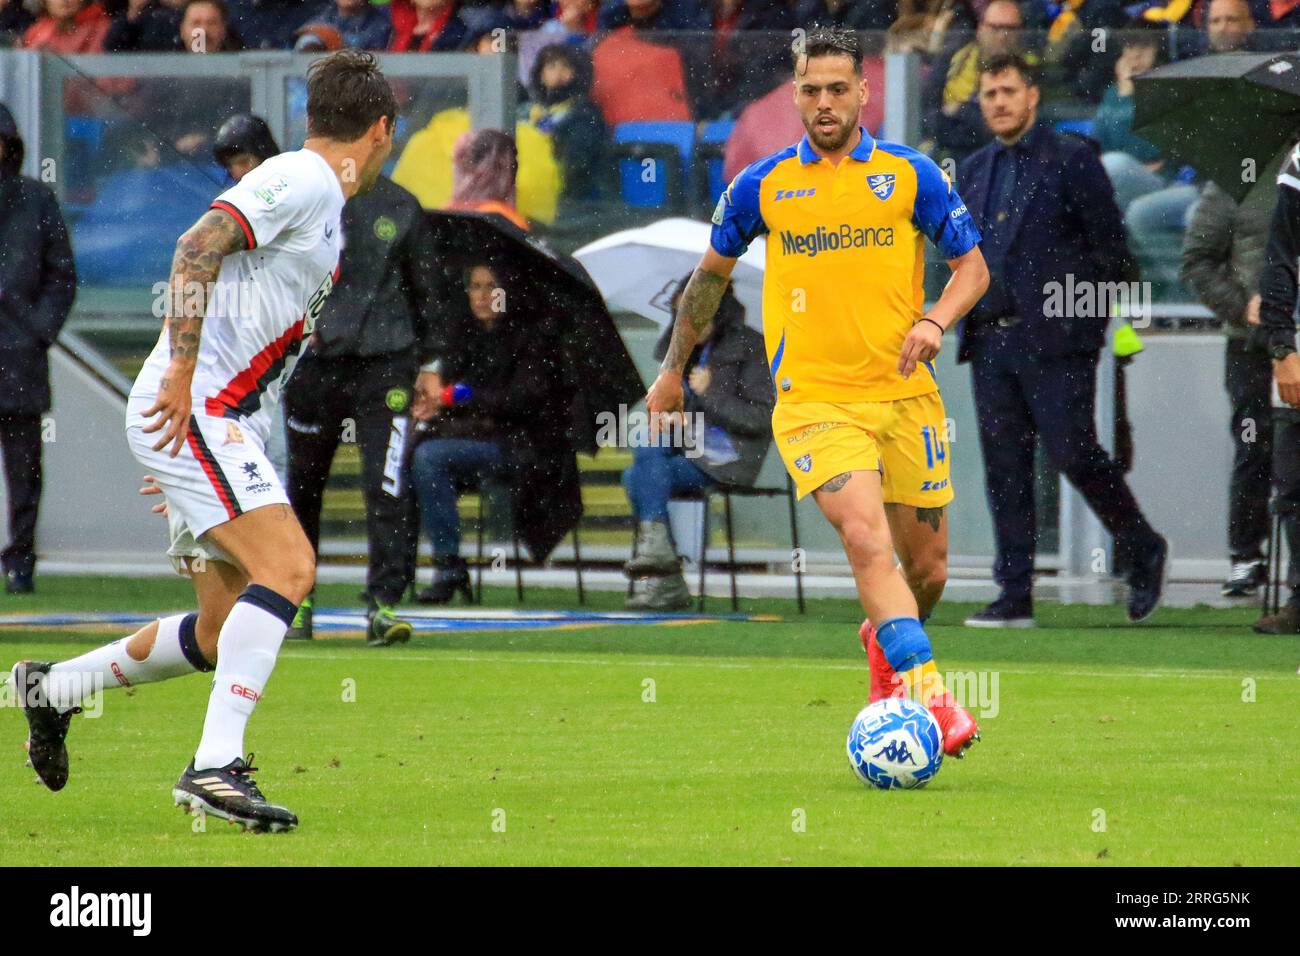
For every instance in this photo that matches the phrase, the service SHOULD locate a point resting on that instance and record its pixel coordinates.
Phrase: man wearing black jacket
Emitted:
(37, 284)
(355, 382)
(1277, 288)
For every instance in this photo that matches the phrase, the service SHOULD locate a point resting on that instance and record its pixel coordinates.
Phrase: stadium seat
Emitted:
(662, 149)
(1082, 127)
(708, 161)
(727, 491)
(519, 564)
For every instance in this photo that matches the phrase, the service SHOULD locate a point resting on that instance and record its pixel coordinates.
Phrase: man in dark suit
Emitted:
(37, 286)
(1050, 223)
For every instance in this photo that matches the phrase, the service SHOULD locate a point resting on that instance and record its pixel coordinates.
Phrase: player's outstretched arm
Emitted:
(969, 281)
(195, 267)
(695, 310)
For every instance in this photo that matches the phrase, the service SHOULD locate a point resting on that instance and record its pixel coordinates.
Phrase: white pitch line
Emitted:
(773, 665)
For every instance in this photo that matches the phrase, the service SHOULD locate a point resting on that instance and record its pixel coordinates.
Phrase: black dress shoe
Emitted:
(1147, 579)
(16, 583)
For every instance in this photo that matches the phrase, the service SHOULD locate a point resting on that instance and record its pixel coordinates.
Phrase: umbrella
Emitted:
(637, 270)
(558, 286)
(1215, 113)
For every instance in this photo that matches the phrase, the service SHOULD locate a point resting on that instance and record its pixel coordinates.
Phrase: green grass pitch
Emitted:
(1168, 743)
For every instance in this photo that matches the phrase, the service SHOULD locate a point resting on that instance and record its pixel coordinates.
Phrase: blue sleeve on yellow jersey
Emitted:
(737, 220)
(939, 212)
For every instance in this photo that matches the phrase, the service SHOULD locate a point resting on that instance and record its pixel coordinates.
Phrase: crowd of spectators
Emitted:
(586, 66)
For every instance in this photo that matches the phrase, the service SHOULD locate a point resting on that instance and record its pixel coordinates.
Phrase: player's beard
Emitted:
(830, 142)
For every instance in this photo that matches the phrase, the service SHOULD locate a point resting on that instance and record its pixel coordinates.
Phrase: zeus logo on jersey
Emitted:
(835, 239)
(794, 193)
(882, 184)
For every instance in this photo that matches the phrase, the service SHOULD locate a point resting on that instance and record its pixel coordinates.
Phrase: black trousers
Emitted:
(367, 400)
(1018, 397)
(1248, 378)
(20, 445)
(1286, 486)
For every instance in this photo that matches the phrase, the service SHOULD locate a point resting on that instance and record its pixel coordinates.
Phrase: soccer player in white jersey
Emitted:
(247, 283)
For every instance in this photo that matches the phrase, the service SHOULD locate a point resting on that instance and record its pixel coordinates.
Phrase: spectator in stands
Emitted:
(362, 25)
(1048, 216)
(14, 21)
(653, 15)
(488, 31)
(501, 425)
(1074, 64)
(205, 28)
(637, 79)
(313, 37)
(951, 97)
(268, 24)
(750, 38)
(562, 109)
(145, 26)
(37, 285)
(1229, 26)
(574, 21)
(729, 393)
(857, 14)
(423, 25)
(1223, 256)
(1155, 199)
(485, 165)
(523, 15)
(68, 26)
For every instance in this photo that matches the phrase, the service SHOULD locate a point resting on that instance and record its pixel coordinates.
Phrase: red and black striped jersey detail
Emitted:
(243, 394)
(240, 218)
(216, 476)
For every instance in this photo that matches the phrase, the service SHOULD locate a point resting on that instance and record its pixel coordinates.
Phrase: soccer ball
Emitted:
(895, 743)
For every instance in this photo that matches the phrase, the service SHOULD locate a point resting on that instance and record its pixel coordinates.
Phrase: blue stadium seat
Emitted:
(1081, 126)
(670, 143)
(713, 142)
(83, 137)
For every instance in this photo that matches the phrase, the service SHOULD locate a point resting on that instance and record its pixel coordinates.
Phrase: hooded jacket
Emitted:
(739, 398)
(38, 280)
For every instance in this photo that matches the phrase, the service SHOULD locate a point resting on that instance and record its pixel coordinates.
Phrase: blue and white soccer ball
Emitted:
(895, 743)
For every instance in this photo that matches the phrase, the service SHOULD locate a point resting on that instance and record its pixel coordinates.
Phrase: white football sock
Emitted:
(246, 650)
(175, 653)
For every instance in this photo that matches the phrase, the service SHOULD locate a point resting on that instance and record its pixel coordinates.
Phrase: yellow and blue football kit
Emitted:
(842, 288)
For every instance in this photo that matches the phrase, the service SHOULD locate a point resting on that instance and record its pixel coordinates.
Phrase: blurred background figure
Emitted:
(953, 120)
(485, 165)
(423, 25)
(498, 410)
(317, 37)
(145, 25)
(14, 21)
(728, 391)
(1223, 255)
(562, 110)
(356, 380)
(68, 26)
(37, 285)
(268, 24)
(361, 24)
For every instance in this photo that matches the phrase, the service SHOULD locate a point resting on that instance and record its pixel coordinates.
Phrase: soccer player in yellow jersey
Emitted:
(858, 418)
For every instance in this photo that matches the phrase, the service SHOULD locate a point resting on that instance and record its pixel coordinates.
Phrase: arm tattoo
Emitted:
(194, 269)
(930, 516)
(838, 482)
(695, 310)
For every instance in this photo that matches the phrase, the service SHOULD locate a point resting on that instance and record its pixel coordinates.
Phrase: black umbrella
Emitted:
(557, 286)
(1230, 116)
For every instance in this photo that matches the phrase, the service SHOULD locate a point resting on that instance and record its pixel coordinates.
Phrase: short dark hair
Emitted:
(999, 63)
(219, 4)
(830, 41)
(346, 95)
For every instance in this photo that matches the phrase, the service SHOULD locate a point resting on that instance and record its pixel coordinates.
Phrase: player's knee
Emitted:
(929, 574)
(297, 577)
(866, 543)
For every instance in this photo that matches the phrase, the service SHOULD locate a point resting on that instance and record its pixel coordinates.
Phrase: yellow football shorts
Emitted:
(906, 440)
